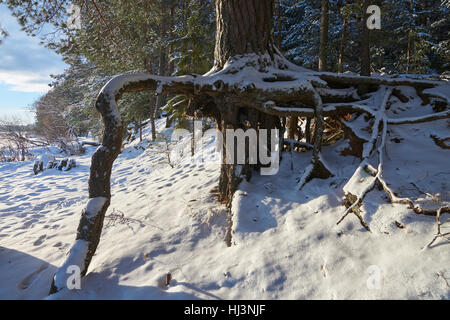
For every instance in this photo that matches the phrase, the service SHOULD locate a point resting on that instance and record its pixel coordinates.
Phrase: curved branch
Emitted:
(91, 222)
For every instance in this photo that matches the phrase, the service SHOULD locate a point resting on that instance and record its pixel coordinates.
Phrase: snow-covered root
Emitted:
(365, 172)
(355, 190)
(352, 79)
(429, 117)
(317, 168)
(417, 209)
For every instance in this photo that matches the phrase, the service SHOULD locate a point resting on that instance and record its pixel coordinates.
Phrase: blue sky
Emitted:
(25, 68)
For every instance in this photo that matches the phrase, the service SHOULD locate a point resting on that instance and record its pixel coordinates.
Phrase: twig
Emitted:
(438, 234)
(445, 279)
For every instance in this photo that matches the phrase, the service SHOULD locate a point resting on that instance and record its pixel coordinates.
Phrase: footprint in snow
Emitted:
(39, 241)
(269, 187)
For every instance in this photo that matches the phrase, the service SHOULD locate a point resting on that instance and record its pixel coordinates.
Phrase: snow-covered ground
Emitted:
(285, 242)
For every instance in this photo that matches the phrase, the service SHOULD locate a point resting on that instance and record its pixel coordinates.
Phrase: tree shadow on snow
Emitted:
(105, 286)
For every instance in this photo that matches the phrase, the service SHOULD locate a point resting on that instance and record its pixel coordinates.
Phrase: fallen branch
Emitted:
(364, 166)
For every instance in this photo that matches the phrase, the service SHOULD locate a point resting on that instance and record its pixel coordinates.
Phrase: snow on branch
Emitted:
(363, 180)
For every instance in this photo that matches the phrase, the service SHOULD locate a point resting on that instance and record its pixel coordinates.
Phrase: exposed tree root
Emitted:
(445, 279)
(442, 143)
(354, 201)
(317, 168)
(344, 79)
(438, 234)
(365, 169)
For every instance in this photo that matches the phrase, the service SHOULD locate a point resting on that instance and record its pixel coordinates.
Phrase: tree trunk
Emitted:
(308, 135)
(152, 116)
(140, 128)
(149, 67)
(409, 50)
(171, 65)
(243, 27)
(365, 45)
(292, 127)
(323, 54)
(163, 61)
(91, 222)
(343, 40)
(279, 21)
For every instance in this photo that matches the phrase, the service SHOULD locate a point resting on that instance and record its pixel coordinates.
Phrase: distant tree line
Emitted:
(414, 35)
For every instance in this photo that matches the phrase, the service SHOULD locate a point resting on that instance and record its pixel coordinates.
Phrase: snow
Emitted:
(76, 258)
(293, 79)
(359, 182)
(94, 206)
(46, 158)
(442, 91)
(285, 242)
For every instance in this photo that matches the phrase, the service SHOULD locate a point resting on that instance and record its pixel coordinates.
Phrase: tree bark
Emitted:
(343, 40)
(365, 44)
(292, 127)
(243, 27)
(279, 21)
(91, 222)
(140, 128)
(323, 54)
(163, 64)
(151, 104)
(409, 50)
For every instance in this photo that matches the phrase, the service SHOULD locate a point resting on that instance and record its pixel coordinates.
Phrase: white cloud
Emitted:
(25, 81)
(25, 65)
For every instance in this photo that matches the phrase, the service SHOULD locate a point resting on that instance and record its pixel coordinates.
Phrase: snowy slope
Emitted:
(285, 243)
